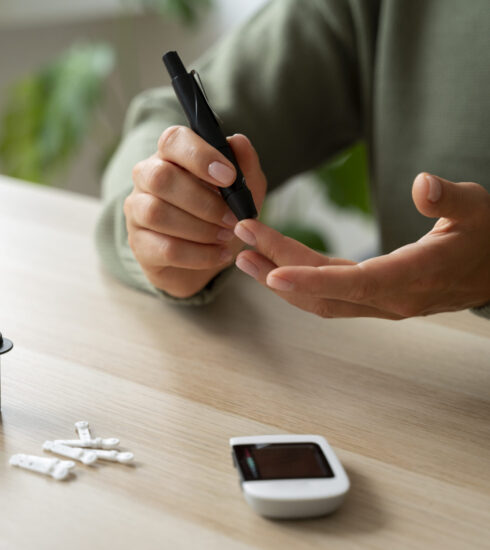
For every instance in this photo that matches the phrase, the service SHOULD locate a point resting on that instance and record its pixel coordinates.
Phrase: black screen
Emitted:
(281, 461)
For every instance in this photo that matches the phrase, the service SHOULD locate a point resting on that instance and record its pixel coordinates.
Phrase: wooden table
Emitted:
(406, 405)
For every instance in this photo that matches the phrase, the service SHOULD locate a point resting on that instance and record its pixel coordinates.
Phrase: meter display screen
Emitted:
(281, 461)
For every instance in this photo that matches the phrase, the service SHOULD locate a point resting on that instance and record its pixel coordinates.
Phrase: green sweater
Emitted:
(305, 79)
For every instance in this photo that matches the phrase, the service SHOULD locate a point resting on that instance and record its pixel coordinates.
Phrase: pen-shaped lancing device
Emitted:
(203, 122)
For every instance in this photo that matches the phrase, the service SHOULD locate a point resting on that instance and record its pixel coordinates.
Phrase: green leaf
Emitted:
(345, 179)
(304, 234)
(187, 12)
(48, 114)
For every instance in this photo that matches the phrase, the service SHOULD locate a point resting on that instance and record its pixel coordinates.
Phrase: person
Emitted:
(304, 80)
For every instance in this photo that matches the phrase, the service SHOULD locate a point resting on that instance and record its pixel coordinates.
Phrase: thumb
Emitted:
(436, 197)
(249, 163)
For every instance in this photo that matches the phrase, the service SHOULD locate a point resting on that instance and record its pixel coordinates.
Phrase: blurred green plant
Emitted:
(299, 231)
(344, 182)
(187, 12)
(345, 179)
(49, 113)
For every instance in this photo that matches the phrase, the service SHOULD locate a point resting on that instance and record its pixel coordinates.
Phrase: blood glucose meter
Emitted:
(289, 476)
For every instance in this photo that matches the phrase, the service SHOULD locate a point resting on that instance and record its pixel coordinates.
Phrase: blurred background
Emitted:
(70, 69)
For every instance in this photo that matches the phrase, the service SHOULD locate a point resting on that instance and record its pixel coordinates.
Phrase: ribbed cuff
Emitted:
(482, 311)
(204, 296)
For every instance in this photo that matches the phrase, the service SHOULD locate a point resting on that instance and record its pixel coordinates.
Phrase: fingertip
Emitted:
(239, 139)
(280, 272)
(244, 232)
(278, 283)
(246, 265)
(426, 192)
(277, 272)
(420, 185)
(244, 151)
(251, 224)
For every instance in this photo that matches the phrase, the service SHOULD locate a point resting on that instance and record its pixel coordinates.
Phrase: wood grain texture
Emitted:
(405, 405)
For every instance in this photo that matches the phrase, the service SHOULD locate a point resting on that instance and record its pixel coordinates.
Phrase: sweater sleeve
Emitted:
(482, 311)
(287, 79)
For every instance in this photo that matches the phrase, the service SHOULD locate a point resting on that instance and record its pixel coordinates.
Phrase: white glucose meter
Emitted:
(289, 476)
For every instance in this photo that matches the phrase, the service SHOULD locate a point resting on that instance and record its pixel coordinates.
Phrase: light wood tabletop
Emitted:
(405, 405)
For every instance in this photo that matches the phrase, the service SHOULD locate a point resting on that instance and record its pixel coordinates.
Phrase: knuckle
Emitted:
(169, 137)
(482, 213)
(210, 256)
(367, 287)
(322, 309)
(475, 188)
(137, 170)
(210, 209)
(273, 246)
(152, 211)
(159, 177)
(127, 206)
(168, 250)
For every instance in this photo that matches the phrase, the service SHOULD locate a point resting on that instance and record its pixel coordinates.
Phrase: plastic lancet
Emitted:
(82, 455)
(96, 443)
(114, 456)
(86, 440)
(83, 430)
(87, 450)
(54, 467)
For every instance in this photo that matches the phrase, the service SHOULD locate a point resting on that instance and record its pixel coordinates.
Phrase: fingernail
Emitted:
(230, 219)
(225, 235)
(279, 284)
(225, 255)
(245, 235)
(248, 267)
(222, 173)
(435, 189)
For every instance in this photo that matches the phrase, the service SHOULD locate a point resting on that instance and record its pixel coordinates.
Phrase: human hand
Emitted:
(448, 269)
(179, 226)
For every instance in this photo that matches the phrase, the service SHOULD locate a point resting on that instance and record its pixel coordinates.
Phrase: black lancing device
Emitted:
(5, 346)
(202, 120)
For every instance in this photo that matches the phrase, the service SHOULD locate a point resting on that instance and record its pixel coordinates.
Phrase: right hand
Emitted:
(179, 227)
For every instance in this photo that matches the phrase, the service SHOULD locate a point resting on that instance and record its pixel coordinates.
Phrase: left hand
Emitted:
(448, 269)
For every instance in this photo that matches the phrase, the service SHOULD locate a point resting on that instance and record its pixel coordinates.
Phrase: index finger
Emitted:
(390, 275)
(181, 146)
(278, 248)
